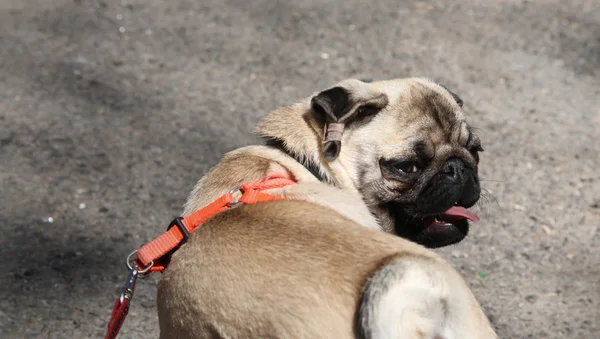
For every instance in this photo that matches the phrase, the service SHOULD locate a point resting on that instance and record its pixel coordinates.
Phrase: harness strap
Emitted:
(151, 253)
(155, 255)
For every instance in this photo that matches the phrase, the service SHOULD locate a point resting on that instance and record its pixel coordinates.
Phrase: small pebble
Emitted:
(119, 17)
(82, 206)
(148, 304)
(519, 207)
(324, 56)
(47, 220)
(81, 60)
(121, 29)
(548, 230)
(531, 298)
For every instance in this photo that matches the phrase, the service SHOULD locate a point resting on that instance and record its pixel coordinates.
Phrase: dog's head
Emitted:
(405, 146)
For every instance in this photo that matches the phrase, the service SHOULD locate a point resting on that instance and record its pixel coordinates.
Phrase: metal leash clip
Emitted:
(127, 291)
(134, 274)
(131, 265)
(121, 307)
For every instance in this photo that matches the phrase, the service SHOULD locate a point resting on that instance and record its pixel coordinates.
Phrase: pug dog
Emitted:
(349, 263)
(313, 266)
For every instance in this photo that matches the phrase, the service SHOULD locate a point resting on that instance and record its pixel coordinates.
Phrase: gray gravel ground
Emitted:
(111, 110)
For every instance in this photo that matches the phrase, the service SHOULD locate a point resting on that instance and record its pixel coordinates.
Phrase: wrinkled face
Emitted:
(415, 163)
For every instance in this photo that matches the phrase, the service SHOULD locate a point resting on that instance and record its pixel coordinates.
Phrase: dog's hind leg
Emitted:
(413, 297)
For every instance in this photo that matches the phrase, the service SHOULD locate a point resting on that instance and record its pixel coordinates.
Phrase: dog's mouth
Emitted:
(438, 230)
(446, 228)
(450, 218)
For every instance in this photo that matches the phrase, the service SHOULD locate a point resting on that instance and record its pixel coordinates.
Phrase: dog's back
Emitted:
(272, 270)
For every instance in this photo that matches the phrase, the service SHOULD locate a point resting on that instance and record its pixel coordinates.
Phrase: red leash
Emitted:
(154, 256)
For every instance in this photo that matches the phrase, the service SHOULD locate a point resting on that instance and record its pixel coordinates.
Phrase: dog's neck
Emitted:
(294, 132)
(313, 168)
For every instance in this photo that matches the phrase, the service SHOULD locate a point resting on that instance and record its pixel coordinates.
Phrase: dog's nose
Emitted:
(454, 168)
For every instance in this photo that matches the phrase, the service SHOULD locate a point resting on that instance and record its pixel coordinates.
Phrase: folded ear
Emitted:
(348, 102)
(456, 98)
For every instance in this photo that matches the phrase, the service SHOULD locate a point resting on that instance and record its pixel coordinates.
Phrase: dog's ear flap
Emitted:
(456, 98)
(348, 102)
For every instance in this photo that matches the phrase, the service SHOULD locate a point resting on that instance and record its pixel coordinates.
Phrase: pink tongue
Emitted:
(461, 212)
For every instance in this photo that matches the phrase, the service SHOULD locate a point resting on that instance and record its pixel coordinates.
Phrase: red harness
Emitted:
(155, 255)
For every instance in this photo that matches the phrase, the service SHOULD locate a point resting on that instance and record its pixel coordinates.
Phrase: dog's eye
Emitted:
(474, 146)
(407, 166)
(475, 151)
